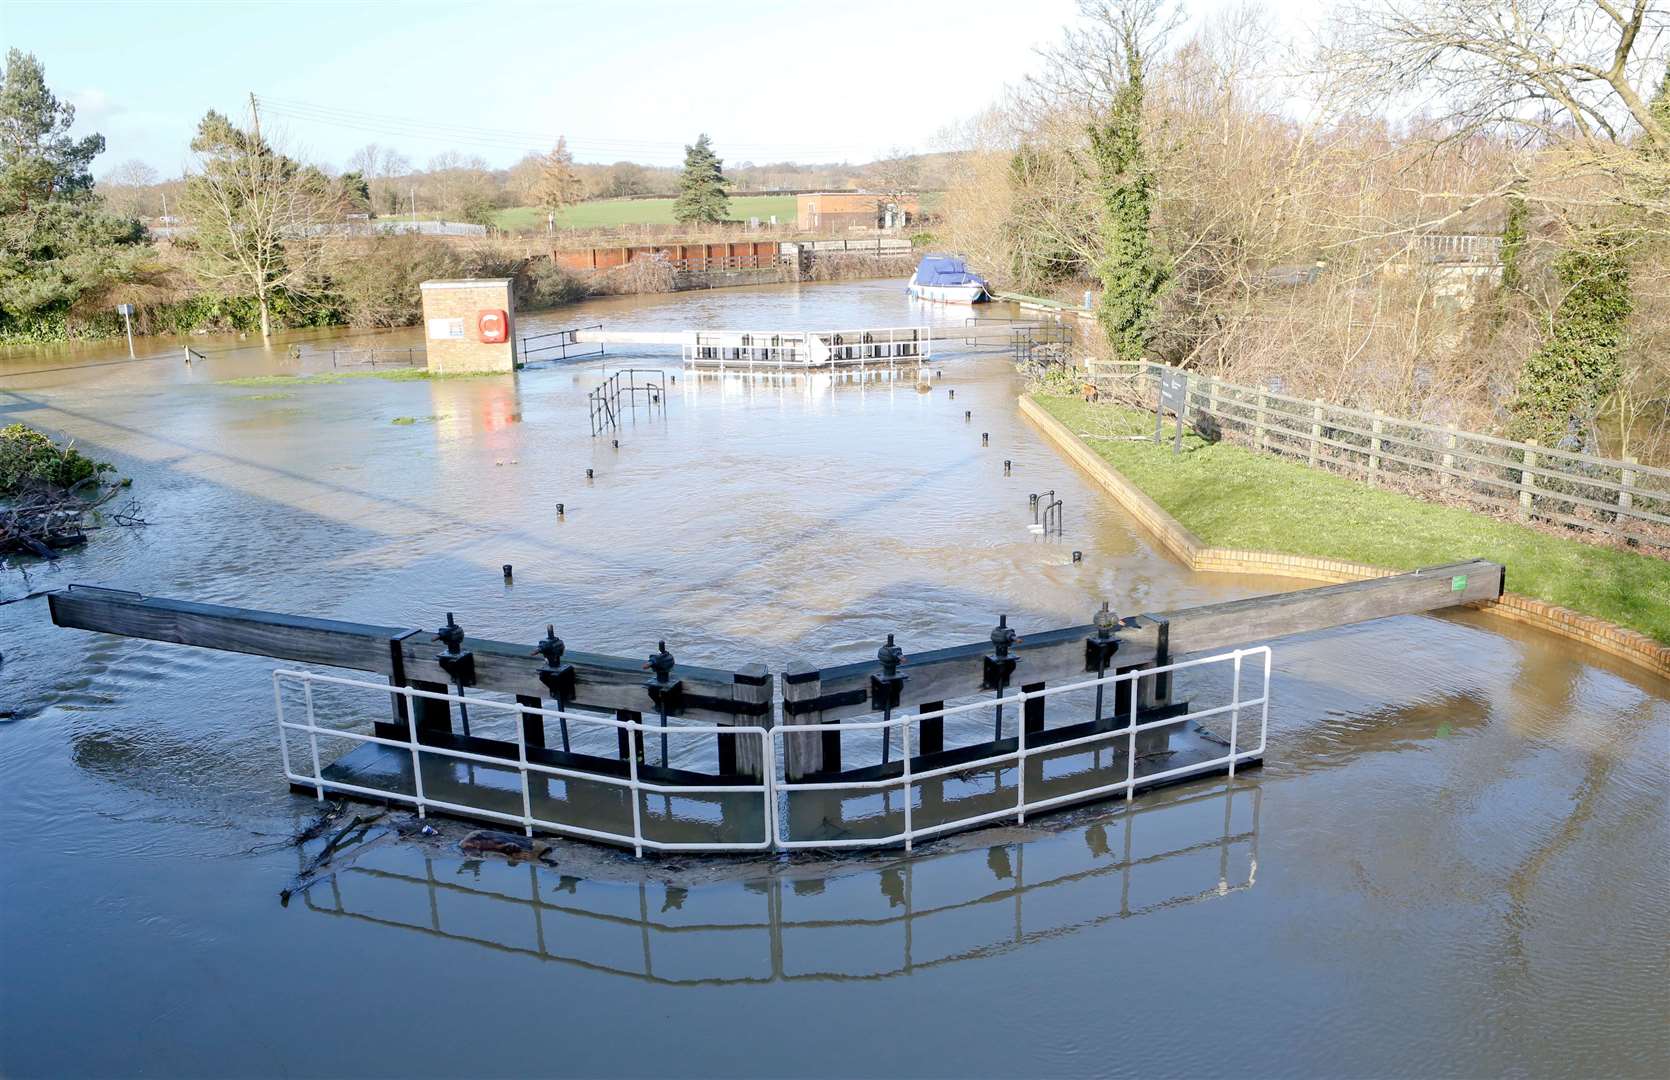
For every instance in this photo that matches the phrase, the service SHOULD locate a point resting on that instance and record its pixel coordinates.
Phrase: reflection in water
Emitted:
(921, 912)
(1472, 811)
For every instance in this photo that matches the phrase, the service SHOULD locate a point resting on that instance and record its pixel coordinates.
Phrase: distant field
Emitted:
(605, 213)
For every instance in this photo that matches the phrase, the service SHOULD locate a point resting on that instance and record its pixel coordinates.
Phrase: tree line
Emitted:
(253, 239)
(1495, 257)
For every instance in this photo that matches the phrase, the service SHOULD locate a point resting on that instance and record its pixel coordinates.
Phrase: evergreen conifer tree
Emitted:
(701, 193)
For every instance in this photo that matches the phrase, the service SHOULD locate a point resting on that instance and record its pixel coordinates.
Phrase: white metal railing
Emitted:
(887, 343)
(772, 788)
(747, 352)
(1018, 757)
(424, 801)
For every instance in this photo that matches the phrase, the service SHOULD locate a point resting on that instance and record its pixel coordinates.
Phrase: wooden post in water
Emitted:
(931, 733)
(743, 754)
(627, 742)
(1032, 711)
(802, 750)
(1527, 478)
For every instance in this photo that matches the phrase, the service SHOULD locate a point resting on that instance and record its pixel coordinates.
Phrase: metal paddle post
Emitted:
(557, 676)
(1098, 653)
(885, 690)
(999, 667)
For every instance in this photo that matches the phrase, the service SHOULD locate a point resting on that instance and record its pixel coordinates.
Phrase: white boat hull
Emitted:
(948, 294)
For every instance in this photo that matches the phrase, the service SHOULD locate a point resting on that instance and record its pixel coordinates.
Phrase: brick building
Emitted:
(839, 211)
(460, 319)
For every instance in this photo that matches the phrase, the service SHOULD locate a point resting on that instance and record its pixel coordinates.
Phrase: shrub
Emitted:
(29, 459)
(544, 284)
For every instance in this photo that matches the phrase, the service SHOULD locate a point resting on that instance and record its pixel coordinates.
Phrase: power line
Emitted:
(390, 126)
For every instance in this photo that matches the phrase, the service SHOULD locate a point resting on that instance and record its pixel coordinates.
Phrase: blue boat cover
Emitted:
(945, 270)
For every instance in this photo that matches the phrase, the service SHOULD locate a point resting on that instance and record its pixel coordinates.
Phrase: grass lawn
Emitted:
(1237, 498)
(605, 213)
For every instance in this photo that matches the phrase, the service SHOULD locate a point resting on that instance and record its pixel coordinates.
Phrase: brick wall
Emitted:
(453, 307)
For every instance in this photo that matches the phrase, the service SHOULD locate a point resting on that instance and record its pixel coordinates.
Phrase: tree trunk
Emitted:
(266, 319)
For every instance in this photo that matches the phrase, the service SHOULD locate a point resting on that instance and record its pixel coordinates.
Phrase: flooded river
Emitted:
(1453, 861)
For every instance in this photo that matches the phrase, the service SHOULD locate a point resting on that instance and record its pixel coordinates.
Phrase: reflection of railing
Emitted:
(558, 345)
(566, 793)
(641, 938)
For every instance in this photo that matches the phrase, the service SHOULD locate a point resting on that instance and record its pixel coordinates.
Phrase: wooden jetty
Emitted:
(658, 755)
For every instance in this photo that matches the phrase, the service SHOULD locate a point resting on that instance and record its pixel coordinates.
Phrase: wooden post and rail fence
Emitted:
(1618, 497)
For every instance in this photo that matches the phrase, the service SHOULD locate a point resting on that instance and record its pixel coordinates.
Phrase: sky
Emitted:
(622, 79)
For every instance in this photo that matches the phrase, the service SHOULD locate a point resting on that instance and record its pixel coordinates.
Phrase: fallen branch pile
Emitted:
(43, 521)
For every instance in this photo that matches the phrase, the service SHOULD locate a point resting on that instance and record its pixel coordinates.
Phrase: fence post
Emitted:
(1449, 455)
(1626, 500)
(1315, 431)
(1527, 478)
(1377, 427)
(1212, 396)
(1258, 420)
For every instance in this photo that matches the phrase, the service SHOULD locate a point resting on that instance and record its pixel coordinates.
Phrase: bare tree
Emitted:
(1572, 81)
(896, 178)
(125, 189)
(259, 216)
(559, 185)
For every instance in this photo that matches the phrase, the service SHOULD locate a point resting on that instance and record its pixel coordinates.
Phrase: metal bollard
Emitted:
(559, 510)
(507, 571)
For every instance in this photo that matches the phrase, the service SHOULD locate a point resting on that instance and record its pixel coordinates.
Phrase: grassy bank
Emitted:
(1235, 498)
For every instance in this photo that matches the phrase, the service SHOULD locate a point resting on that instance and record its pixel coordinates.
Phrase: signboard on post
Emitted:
(126, 312)
(1174, 395)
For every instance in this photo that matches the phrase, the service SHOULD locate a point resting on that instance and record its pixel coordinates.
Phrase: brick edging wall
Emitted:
(1626, 644)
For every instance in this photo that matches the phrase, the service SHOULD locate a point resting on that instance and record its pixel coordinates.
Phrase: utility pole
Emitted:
(255, 114)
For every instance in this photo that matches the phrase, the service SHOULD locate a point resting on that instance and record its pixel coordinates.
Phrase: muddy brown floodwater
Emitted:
(1453, 861)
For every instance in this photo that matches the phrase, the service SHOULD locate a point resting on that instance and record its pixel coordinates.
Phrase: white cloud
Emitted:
(93, 105)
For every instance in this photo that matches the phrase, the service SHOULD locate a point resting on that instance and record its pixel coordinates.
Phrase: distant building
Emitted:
(839, 211)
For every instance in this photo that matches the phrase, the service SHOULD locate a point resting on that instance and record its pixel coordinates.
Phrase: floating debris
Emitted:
(512, 847)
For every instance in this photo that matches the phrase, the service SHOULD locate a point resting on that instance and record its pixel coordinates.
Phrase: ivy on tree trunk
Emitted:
(1131, 272)
(1562, 385)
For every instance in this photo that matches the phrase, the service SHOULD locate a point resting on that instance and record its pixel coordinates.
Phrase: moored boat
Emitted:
(946, 279)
